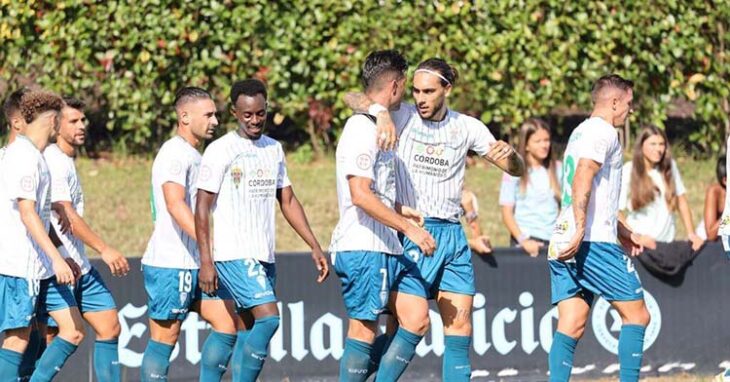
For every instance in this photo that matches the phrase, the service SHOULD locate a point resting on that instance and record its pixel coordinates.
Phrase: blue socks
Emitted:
(255, 348)
(630, 351)
(561, 357)
(456, 365)
(376, 353)
(216, 353)
(30, 356)
(355, 361)
(106, 361)
(52, 360)
(399, 354)
(155, 362)
(10, 365)
(241, 337)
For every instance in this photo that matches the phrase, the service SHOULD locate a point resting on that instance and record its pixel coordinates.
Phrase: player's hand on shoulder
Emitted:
(385, 131)
(500, 150)
(116, 261)
(320, 261)
(208, 278)
(422, 239)
(64, 273)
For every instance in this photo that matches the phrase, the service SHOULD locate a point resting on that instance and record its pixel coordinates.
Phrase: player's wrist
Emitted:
(522, 238)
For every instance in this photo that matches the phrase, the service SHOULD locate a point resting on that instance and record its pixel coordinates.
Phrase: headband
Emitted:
(435, 73)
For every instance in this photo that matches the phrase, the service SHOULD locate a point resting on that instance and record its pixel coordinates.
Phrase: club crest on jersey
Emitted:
(236, 174)
(560, 227)
(725, 221)
(455, 135)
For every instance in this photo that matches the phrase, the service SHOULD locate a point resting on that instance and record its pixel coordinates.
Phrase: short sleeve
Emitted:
(212, 169)
(596, 144)
(480, 139)
(508, 190)
(623, 199)
(22, 176)
(678, 183)
(358, 149)
(173, 166)
(59, 171)
(282, 179)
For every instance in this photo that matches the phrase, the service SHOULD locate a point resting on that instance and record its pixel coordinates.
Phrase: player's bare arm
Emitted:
(178, 208)
(632, 242)
(294, 214)
(31, 220)
(207, 276)
(385, 128)
(111, 256)
(582, 183)
(506, 158)
(363, 198)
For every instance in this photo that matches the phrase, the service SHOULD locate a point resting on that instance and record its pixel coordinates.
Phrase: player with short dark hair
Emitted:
(93, 298)
(367, 254)
(432, 150)
(242, 176)
(585, 254)
(171, 262)
(28, 258)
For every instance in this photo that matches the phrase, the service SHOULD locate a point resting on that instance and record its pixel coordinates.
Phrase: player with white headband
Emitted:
(434, 142)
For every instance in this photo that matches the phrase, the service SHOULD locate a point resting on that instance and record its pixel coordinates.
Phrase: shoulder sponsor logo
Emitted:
(205, 172)
(27, 183)
(364, 162)
(175, 167)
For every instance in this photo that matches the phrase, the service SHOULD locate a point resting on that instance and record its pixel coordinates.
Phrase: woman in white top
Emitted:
(652, 189)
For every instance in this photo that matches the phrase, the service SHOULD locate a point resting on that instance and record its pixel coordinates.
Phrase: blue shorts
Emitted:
(18, 298)
(249, 282)
(367, 278)
(171, 292)
(91, 295)
(599, 269)
(449, 269)
(53, 297)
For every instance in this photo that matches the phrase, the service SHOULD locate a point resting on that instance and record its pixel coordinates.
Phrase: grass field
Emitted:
(117, 199)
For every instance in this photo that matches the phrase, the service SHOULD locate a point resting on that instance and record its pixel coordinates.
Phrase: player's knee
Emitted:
(418, 325)
(573, 326)
(270, 324)
(73, 335)
(641, 317)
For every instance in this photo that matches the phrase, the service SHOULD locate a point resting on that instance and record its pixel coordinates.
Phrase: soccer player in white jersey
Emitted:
(28, 258)
(170, 263)
(585, 254)
(93, 298)
(242, 175)
(432, 149)
(365, 247)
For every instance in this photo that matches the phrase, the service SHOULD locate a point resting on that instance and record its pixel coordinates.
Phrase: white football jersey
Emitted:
(245, 174)
(358, 155)
(597, 140)
(170, 247)
(23, 175)
(66, 187)
(432, 159)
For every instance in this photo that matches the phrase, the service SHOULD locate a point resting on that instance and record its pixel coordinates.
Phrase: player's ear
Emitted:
(447, 91)
(184, 117)
(233, 112)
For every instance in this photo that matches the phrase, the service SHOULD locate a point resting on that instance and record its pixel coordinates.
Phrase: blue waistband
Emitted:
(436, 222)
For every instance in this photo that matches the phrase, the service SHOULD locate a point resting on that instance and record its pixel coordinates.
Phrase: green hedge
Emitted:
(516, 58)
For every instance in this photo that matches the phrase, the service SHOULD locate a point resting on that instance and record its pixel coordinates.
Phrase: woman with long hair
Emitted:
(531, 203)
(652, 190)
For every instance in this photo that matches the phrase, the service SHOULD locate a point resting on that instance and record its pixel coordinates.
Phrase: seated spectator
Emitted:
(530, 204)
(478, 242)
(714, 203)
(652, 189)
